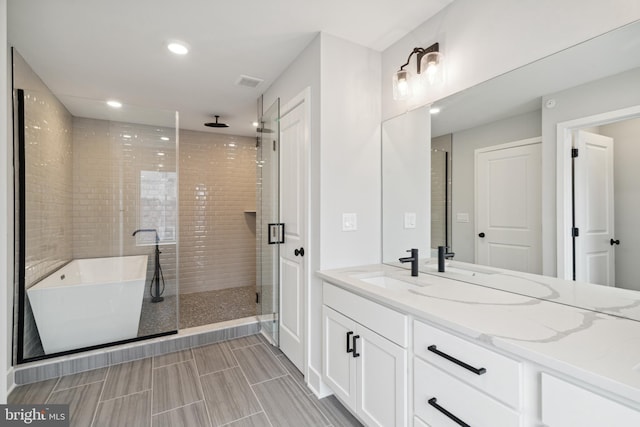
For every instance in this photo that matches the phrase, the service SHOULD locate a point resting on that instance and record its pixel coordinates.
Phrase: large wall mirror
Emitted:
(506, 193)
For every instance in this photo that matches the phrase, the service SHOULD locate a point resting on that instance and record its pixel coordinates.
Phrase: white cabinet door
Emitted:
(382, 380)
(567, 405)
(364, 370)
(338, 365)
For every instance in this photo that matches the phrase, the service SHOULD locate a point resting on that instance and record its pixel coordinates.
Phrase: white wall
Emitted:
(626, 187)
(405, 150)
(465, 143)
(483, 39)
(350, 159)
(6, 216)
(344, 79)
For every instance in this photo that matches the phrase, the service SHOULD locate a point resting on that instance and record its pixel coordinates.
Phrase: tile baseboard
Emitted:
(94, 359)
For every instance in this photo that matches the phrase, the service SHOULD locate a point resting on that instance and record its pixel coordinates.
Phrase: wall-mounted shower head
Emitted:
(216, 124)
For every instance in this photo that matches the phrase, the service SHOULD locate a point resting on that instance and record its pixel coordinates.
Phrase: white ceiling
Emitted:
(116, 49)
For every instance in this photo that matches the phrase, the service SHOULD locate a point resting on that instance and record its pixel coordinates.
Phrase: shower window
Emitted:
(158, 206)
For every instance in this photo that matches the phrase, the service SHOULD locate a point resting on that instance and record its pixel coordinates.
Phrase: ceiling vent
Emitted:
(248, 81)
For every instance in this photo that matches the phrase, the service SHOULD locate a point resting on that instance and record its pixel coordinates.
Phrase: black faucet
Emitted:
(157, 272)
(442, 255)
(413, 259)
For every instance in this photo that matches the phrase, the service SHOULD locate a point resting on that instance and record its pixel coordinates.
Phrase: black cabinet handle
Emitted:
(614, 242)
(477, 371)
(434, 402)
(299, 252)
(481, 235)
(349, 348)
(355, 340)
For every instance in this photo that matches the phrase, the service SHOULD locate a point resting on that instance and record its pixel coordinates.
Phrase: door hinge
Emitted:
(574, 153)
(257, 298)
(575, 232)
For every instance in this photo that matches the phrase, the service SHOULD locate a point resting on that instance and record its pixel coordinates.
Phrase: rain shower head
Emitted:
(216, 124)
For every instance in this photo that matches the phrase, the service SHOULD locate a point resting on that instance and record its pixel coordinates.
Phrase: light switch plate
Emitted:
(409, 220)
(349, 222)
(462, 217)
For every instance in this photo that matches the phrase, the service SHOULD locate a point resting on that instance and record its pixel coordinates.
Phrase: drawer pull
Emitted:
(355, 340)
(434, 402)
(477, 371)
(349, 348)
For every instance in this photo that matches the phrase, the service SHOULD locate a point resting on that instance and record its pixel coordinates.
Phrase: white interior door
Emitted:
(508, 206)
(293, 200)
(594, 209)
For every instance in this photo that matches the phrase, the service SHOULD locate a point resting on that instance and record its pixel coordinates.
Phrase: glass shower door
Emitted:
(269, 231)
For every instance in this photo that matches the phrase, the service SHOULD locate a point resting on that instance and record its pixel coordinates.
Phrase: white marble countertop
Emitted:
(596, 348)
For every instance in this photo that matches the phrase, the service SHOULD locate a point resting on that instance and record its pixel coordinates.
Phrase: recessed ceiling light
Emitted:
(434, 110)
(114, 104)
(178, 48)
(164, 138)
(255, 124)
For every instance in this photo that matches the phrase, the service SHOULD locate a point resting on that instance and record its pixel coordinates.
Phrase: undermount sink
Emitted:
(387, 282)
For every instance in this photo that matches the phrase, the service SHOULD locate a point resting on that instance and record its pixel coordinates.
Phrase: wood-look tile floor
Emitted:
(240, 383)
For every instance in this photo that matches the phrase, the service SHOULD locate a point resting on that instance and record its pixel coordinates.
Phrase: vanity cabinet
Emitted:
(409, 369)
(442, 400)
(492, 373)
(566, 404)
(366, 370)
(456, 380)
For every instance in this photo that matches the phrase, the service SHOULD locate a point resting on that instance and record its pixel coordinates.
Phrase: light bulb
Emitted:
(401, 87)
(432, 67)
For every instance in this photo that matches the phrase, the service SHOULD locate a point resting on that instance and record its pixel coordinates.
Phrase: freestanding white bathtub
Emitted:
(89, 302)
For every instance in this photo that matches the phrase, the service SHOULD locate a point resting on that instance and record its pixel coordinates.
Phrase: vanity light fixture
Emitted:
(429, 63)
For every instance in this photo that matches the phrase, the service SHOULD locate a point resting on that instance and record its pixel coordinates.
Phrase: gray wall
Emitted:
(626, 153)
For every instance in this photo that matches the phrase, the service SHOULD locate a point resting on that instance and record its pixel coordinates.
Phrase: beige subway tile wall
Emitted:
(48, 157)
(122, 174)
(48, 196)
(217, 211)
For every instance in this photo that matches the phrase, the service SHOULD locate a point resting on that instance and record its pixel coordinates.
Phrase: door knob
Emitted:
(481, 235)
(299, 252)
(614, 242)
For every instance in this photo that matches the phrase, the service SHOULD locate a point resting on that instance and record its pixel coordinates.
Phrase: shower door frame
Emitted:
(268, 219)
